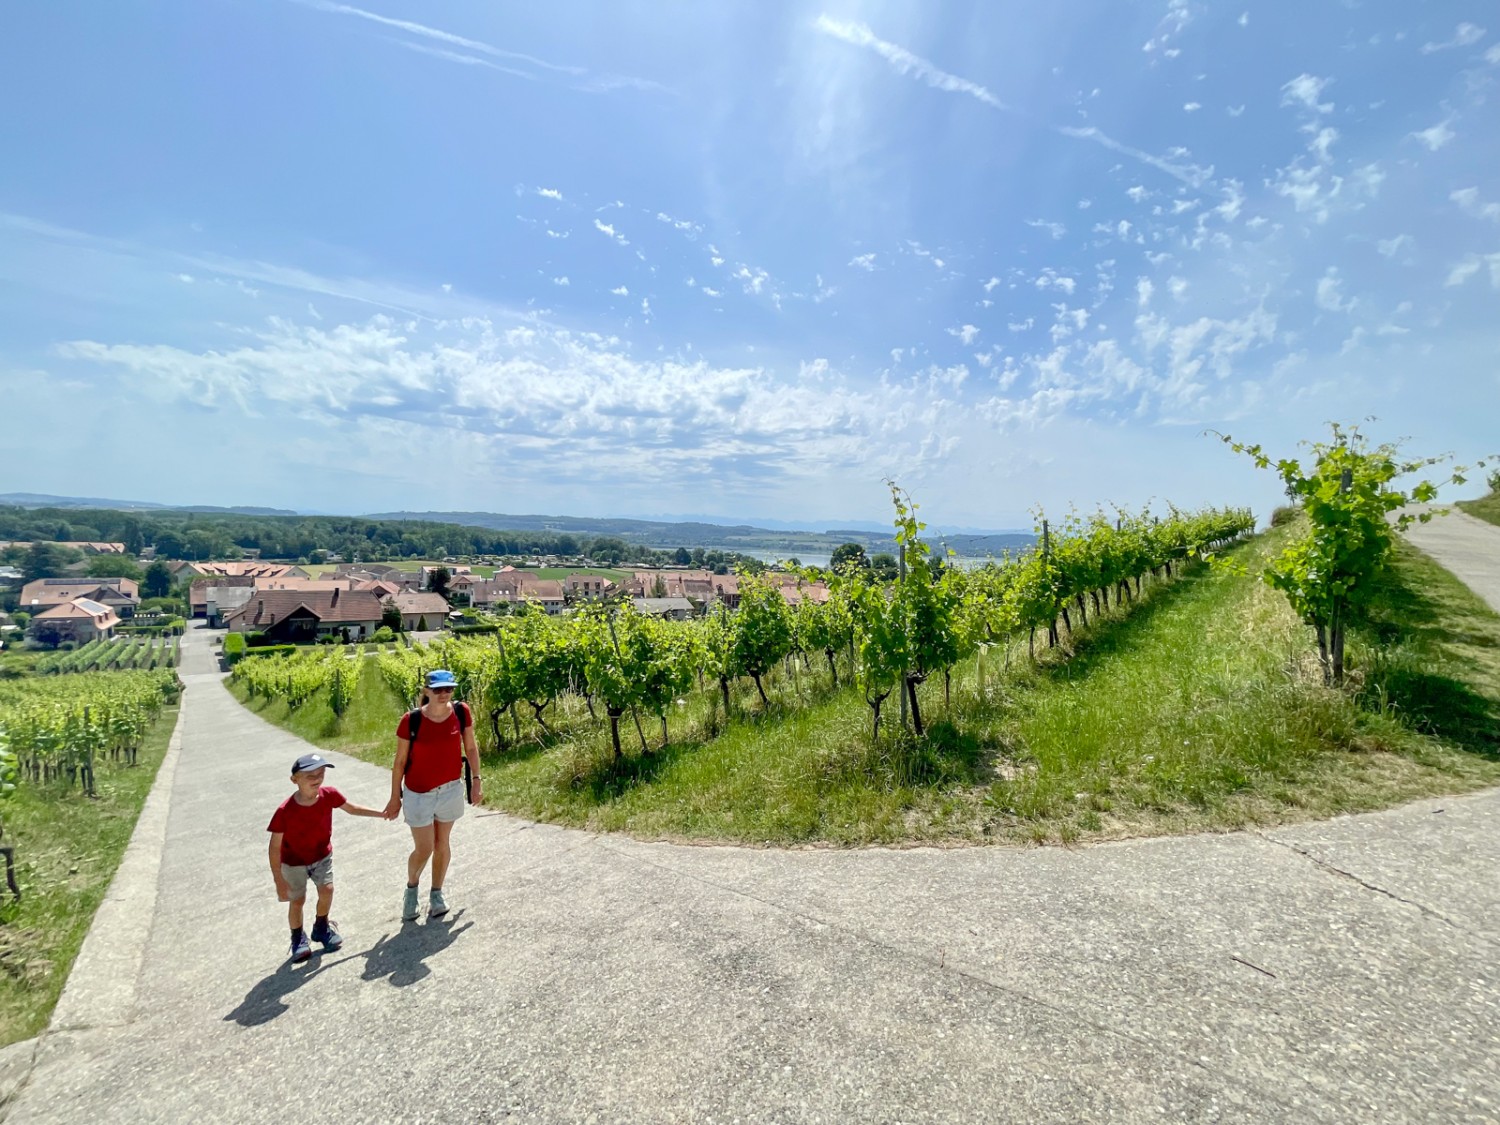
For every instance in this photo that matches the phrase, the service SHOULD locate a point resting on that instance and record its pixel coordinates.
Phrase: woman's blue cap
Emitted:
(441, 677)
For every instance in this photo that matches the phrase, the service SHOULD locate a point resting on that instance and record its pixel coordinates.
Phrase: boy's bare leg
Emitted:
(325, 900)
(294, 913)
(442, 853)
(421, 852)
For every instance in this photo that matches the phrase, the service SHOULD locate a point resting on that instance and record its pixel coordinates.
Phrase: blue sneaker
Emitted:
(301, 947)
(327, 933)
(437, 905)
(409, 905)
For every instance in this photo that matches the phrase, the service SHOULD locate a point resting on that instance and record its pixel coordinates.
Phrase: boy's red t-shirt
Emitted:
(306, 830)
(437, 757)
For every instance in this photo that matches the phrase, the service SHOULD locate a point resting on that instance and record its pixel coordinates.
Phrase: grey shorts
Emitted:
(445, 803)
(321, 873)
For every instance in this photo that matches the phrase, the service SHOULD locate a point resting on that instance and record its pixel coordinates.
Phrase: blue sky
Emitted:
(739, 260)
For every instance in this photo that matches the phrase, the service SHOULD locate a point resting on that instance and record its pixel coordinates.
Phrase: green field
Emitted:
(1199, 708)
(67, 849)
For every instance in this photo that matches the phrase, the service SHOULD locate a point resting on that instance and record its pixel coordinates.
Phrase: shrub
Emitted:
(383, 634)
(464, 630)
(270, 650)
(1284, 514)
(234, 647)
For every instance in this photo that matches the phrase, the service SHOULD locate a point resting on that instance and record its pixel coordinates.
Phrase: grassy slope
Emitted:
(1487, 507)
(67, 850)
(1200, 708)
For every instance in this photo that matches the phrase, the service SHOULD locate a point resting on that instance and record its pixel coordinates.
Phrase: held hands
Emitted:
(392, 808)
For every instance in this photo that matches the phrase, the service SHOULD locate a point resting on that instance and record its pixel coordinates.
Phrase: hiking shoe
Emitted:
(301, 947)
(437, 905)
(409, 905)
(327, 932)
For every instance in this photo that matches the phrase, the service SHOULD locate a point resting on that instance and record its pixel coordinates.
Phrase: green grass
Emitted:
(1487, 507)
(1201, 707)
(552, 573)
(67, 849)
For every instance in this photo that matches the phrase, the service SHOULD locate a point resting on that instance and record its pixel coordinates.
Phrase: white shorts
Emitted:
(445, 803)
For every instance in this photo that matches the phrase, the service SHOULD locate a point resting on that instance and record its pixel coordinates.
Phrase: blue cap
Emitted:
(441, 677)
(309, 762)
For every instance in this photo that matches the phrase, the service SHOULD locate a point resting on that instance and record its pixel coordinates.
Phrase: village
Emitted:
(286, 603)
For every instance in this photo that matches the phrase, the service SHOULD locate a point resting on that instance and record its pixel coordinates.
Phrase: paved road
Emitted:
(1469, 547)
(1344, 971)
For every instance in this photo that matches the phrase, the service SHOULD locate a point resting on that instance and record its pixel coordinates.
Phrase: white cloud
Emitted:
(1305, 90)
(1143, 292)
(608, 230)
(620, 291)
(687, 226)
(552, 405)
(1178, 287)
(990, 284)
(185, 278)
(1330, 294)
(1390, 247)
(862, 261)
(549, 193)
(1464, 35)
(1049, 279)
(447, 287)
(1234, 110)
(1471, 265)
(1435, 137)
(967, 334)
(903, 61)
(1468, 199)
(1492, 56)
(1056, 230)
(556, 234)
(561, 280)
(1192, 107)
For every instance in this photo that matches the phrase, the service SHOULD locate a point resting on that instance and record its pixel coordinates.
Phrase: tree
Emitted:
(884, 567)
(44, 560)
(390, 616)
(764, 632)
(113, 566)
(157, 582)
(682, 556)
(847, 555)
(170, 545)
(438, 580)
(1353, 514)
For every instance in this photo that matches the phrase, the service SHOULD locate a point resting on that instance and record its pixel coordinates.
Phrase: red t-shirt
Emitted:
(306, 830)
(437, 757)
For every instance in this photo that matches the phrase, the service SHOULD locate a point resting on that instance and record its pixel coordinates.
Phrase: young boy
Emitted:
(302, 849)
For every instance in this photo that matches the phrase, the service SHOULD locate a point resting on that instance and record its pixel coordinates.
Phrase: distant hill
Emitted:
(42, 500)
(785, 540)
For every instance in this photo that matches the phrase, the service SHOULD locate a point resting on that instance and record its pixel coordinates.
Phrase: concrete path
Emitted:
(1468, 547)
(1338, 972)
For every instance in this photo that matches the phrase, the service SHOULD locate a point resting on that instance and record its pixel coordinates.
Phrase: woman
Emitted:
(427, 784)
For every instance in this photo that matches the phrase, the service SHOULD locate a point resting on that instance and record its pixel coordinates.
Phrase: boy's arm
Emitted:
(283, 892)
(360, 810)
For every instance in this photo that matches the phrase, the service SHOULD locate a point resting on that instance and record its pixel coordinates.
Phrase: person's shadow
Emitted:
(401, 957)
(265, 1002)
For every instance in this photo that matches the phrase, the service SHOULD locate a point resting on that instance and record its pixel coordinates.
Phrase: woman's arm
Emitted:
(398, 771)
(471, 751)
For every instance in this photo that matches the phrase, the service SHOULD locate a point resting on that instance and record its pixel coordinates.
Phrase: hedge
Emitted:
(462, 630)
(272, 650)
